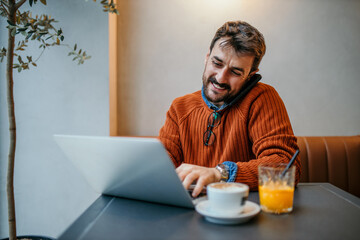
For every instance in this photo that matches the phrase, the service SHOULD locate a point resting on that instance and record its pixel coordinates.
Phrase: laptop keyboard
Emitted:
(202, 193)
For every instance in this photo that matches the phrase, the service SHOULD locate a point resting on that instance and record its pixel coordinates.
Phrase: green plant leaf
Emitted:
(20, 60)
(2, 54)
(10, 23)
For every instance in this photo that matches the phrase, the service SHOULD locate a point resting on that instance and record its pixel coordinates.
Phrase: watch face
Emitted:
(223, 171)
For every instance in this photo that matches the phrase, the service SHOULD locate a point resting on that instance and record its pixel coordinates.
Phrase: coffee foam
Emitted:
(227, 187)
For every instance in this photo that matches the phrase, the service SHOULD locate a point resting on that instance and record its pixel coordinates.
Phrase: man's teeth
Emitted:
(218, 86)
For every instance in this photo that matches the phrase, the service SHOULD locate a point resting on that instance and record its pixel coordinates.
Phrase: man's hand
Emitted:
(203, 176)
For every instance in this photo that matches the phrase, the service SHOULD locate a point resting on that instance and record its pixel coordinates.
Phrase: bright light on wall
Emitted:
(220, 4)
(213, 9)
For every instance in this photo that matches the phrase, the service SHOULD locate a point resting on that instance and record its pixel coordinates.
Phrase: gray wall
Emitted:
(313, 61)
(56, 97)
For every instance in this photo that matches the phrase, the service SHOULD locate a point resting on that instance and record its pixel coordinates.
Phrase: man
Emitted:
(221, 134)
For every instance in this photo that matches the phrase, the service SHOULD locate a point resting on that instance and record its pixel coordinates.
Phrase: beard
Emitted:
(217, 98)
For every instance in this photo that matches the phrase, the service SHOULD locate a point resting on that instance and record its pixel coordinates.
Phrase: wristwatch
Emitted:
(224, 171)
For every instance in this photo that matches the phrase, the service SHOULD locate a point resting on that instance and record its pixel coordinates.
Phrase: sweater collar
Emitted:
(211, 105)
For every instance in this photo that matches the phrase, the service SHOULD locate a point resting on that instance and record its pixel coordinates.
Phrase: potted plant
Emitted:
(23, 28)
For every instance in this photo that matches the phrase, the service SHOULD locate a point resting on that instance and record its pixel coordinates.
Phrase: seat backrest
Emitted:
(331, 159)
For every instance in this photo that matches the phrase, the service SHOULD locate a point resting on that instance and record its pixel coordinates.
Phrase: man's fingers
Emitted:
(182, 176)
(189, 174)
(189, 179)
(199, 187)
(182, 171)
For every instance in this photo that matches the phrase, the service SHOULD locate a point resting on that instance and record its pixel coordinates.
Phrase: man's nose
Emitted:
(221, 76)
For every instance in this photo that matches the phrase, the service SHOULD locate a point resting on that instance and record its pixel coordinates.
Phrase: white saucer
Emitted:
(251, 209)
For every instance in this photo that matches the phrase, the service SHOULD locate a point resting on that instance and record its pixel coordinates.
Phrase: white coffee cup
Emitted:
(227, 198)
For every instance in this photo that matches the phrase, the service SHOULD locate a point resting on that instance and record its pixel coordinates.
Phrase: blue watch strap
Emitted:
(232, 168)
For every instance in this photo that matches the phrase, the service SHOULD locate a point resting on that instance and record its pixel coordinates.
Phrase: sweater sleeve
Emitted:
(170, 137)
(271, 135)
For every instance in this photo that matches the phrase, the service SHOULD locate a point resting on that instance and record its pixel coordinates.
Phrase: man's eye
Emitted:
(216, 63)
(236, 73)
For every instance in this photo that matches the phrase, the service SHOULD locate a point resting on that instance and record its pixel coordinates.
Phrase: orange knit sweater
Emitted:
(255, 130)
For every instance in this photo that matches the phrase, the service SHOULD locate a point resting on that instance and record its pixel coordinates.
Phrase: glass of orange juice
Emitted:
(276, 191)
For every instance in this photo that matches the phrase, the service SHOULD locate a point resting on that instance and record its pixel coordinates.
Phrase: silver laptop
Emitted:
(130, 167)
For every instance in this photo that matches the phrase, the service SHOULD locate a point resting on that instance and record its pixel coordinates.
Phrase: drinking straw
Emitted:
(290, 163)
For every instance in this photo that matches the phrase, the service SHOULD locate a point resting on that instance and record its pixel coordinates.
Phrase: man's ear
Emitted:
(253, 73)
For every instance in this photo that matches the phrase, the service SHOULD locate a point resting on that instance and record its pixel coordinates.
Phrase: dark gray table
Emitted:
(321, 211)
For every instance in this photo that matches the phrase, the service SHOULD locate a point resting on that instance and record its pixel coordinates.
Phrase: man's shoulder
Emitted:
(261, 89)
(258, 94)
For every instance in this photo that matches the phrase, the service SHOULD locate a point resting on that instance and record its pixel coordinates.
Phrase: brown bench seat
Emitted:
(331, 159)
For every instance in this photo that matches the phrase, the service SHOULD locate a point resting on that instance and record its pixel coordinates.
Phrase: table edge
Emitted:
(337, 191)
(86, 219)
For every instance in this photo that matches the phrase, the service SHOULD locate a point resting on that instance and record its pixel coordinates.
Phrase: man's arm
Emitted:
(271, 135)
(170, 137)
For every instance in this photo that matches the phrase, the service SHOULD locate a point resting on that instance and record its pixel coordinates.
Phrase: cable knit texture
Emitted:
(255, 130)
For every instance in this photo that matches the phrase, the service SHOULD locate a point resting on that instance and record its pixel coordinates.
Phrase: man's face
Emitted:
(225, 73)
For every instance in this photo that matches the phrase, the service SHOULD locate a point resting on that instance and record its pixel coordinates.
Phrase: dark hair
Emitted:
(243, 38)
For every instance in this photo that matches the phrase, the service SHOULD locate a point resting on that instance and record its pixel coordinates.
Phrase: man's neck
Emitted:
(210, 104)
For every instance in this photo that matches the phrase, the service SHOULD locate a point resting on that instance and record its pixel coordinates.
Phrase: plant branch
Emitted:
(39, 55)
(4, 7)
(4, 3)
(12, 124)
(19, 4)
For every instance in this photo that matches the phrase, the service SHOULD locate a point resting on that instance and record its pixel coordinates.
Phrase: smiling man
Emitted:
(224, 131)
